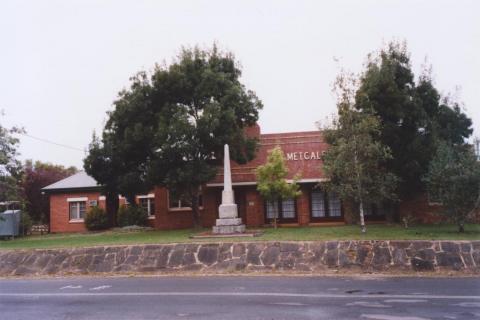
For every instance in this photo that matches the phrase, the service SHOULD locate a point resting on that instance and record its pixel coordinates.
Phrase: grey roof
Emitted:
(79, 180)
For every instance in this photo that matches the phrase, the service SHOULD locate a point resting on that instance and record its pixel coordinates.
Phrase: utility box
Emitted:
(10, 223)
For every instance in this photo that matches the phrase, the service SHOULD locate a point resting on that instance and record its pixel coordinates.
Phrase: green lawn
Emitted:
(375, 232)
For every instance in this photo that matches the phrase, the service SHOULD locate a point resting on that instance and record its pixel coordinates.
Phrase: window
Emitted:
(272, 209)
(181, 201)
(318, 204)
(374, 210)
(288, 209)
(334, 205)
(285, 209)
(369, 209)
(148, 204)
(77, 210)
(325, 205)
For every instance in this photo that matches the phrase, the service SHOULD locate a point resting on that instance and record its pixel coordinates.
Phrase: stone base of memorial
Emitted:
(228, 222)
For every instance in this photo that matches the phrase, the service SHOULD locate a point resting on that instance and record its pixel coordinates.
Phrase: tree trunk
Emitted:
(391, 212)
(195, 212)
(359, 185)
(131, 200)
(362, 218)
(112, 204)
(275, 214)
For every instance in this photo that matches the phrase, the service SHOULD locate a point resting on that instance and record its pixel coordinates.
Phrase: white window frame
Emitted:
(150, 198)
(79, 199)
(76, 201)
(179, 207)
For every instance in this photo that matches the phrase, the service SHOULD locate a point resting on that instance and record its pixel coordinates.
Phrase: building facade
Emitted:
(71, 198)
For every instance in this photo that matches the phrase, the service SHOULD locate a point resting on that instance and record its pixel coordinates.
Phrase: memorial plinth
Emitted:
(228, 221)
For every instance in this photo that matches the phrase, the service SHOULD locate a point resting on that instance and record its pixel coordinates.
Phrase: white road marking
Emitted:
(241, 294)
(387, 317)
(367, 304)
(405, 301)
(468, 304)
(71, 287)
(100, 288)
(289, 304)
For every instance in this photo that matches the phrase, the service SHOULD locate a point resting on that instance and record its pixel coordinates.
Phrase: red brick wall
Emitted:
(210, 206)
(59, 211)
(169, 219)
(255, 215)
(420, 209)
(297, 143)
(303, 205)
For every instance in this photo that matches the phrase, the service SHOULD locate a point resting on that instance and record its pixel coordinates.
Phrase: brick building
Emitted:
(70, 198)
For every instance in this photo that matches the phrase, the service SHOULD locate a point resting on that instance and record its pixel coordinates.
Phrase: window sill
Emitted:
(76, 221)
(151, 217)
(183, 209)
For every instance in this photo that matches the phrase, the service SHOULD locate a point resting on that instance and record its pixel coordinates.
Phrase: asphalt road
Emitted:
(241, 298)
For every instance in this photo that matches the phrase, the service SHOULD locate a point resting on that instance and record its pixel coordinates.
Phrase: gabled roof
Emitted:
(80, 180)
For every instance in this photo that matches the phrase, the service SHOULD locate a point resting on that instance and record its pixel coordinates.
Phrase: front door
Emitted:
(240, 200)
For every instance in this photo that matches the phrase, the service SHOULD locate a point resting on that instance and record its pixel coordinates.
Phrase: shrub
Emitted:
(132, 216)
(96, 219)
(25, 223)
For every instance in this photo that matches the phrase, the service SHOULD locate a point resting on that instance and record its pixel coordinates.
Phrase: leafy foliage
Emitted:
(10, 166)
(271, 179)
(169, 128)
(132, 216)
(355, 159)
(96, 219)
(25, 223)
(413, 116)
(37, 175)
(453, 179)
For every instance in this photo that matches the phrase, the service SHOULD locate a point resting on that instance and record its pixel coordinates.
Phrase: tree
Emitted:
(36, 176)
(354, 162)
(10, 166)
(117, 160)
(105, 162)
(169, 128)
(271, 180)
(413, 116)
(453, 179)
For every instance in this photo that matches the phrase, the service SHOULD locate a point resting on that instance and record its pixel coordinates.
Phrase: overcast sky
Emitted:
(62, 63)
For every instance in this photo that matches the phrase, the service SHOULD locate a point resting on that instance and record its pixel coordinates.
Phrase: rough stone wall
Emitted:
(304, 257)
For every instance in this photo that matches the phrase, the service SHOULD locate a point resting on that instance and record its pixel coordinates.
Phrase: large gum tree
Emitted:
(355, 161)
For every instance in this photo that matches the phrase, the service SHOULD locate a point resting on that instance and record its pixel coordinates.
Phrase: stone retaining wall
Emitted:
(299, 257)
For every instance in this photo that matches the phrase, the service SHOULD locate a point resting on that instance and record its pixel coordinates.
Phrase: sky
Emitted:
(62, 63)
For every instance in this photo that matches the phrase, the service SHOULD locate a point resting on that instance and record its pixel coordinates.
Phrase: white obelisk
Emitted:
(228, 211)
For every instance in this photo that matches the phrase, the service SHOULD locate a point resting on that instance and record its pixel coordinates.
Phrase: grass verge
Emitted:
(375, 232)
